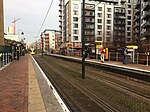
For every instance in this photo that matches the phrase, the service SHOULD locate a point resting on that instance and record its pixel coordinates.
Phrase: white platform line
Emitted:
(62, 104)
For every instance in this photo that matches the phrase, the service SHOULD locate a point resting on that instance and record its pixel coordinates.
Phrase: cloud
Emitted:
(32, 13)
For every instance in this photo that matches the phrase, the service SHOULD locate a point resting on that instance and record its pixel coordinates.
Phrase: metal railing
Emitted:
(5, 58)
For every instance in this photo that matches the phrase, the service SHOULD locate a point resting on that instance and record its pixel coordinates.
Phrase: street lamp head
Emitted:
(22, 33)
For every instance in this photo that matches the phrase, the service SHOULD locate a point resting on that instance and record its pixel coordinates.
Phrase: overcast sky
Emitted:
(32, 14)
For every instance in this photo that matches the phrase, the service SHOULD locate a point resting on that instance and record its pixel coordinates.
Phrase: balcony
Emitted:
(146, 34)
(145, 0)
(137, 12)
(136, 25)
(146, 24)
(147, 6)
(119, 28)
(146, 15)
(137, 31)
(137, 18)
(119, 23)
(123, 1)
(119, 17)
(89, 28)
(137, 5)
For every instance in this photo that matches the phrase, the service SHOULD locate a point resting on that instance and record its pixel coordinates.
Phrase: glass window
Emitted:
(128, 34)
(129, 11)
(99, 32)
(75, 19)
(108, 27)
(108, 15)
(108, 21)
(99, 20)
(129, 17)
(75, 31)
(75, 37)
(75, 6)
(129, 22)
(108, 9)
(99, 14)
(75, 12)
(75, 25)
(99, 8)
(99, 26)
(129, 28)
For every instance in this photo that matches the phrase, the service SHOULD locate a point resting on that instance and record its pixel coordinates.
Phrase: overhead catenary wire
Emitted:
(45, 18)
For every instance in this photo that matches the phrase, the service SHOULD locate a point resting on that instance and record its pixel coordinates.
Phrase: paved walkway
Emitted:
(20, 89)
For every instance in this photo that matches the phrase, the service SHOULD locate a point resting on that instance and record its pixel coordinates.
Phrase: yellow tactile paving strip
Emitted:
(35, 100)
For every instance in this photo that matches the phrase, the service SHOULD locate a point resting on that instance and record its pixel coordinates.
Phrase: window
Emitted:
(75, 37)
(99, 38)
(75, 25)
(129, 17)
(99, 20)
(129, 6)
(129, 22)
(108, 27)
(99, 32)
(108, 9)
(108, 15)
(128, 34)
(75, 12)
(108, 32)
(99, 26)
(99, 14)
(129, 1)
(75, 31)
(108, 21)
(75, 6)
(128, 39)
(129, 11)
(129, 28)
(75, 19)
(99, 8)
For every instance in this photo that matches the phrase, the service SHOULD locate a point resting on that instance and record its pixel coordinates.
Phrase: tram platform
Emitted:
(140, 71)
(24, 89)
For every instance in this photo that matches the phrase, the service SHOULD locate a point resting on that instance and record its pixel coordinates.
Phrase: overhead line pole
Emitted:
(83, 39)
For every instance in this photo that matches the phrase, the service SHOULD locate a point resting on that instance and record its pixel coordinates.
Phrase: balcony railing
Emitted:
(146, 24)
(147, 6)
(146, 15)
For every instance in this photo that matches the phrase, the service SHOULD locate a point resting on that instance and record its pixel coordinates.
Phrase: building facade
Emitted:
(1, 24)
(142, 25)
(107, 24)
(50, 39)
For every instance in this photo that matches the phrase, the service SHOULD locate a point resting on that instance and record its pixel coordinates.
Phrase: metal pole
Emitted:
(83, 39)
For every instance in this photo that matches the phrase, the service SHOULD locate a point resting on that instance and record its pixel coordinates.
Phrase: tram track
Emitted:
(122, 87)
(96, 98)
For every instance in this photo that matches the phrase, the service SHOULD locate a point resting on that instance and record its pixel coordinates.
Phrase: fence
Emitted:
(136, 58)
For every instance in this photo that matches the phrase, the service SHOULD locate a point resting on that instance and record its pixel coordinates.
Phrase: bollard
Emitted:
(116, 56)
(147, 54)
(109, 56)
(137, 60)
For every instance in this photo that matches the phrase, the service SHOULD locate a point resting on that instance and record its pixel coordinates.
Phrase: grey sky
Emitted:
(32, 13)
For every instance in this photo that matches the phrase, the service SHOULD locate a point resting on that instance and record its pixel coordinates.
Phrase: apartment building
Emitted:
(50, 40)
(101, 26)
(1, 24)
(142, 25)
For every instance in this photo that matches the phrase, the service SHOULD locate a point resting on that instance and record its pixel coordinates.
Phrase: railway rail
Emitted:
(101, 91)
